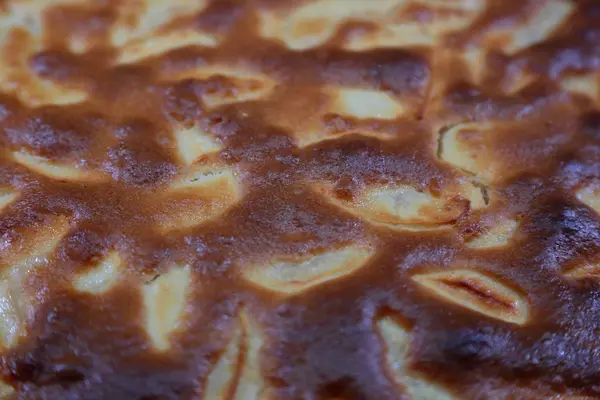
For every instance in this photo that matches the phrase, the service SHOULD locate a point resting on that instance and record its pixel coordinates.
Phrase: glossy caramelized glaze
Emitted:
(330, 199)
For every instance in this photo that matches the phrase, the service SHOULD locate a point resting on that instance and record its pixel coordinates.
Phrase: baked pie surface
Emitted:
(330, 199)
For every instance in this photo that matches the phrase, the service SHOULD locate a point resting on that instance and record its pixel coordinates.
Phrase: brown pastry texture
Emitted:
(328, 199)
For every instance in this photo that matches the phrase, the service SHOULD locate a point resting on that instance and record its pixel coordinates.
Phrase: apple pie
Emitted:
(300, 199)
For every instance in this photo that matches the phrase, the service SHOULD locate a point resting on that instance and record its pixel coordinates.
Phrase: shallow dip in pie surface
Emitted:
(312, 199)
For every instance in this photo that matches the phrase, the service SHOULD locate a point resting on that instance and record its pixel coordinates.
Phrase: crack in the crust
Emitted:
(440, 139)
(484, 191)
(440, 154)
(440, 147)
(153, 278)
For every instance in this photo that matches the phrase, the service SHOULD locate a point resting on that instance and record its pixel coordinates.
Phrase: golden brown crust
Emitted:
(324, 199)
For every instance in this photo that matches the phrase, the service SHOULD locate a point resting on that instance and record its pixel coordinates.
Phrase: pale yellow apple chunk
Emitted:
(295, 275)
(164, 304)
(17, 306)
(242, 359)
(199, 196)
(397, 342)
(477, 292)
(55, 170)
(100, 278)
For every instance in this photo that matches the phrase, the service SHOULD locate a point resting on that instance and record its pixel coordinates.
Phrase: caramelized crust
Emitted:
(312, 199)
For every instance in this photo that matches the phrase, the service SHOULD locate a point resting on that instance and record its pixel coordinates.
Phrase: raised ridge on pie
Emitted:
(300, 199)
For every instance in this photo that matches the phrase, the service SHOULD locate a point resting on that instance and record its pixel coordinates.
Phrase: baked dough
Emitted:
(312, 199)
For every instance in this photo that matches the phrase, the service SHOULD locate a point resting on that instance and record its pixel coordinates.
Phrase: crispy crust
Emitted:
(329, 199)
